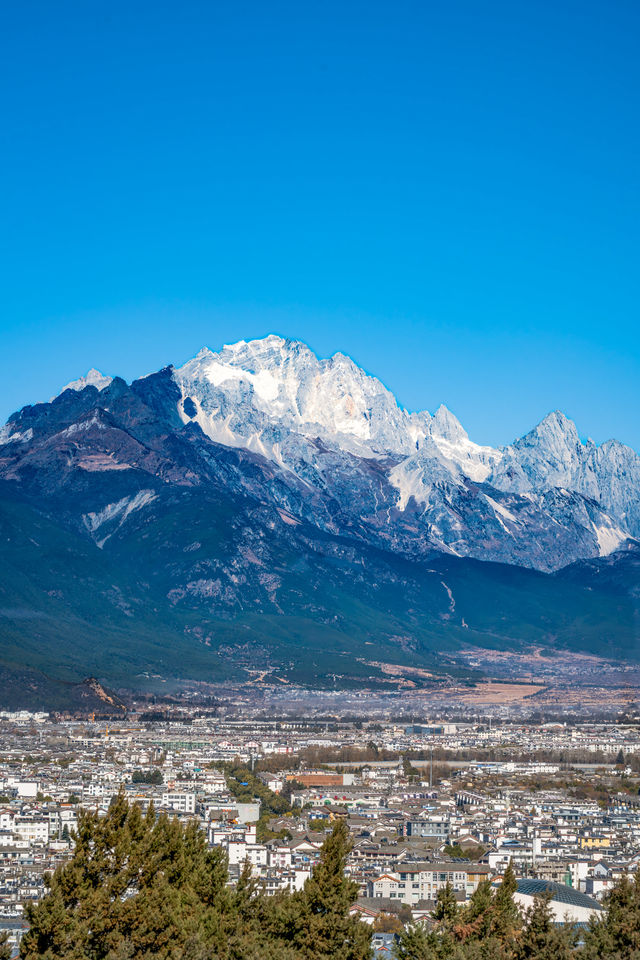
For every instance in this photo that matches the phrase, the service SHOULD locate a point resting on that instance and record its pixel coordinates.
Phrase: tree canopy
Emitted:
(139, 887)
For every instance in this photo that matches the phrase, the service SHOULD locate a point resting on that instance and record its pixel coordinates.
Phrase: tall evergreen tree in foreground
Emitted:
(145, 888)
(139, 888)
(324, 927)
(488, 927)
(506, 918)
(616, 934)
(542, 938)
(491, 927)
(5, 949)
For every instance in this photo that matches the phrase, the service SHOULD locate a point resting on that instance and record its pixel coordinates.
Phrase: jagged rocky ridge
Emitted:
(262, 480)
(342, 454)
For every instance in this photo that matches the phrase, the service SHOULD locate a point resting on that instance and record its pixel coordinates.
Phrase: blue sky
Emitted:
(447, 192)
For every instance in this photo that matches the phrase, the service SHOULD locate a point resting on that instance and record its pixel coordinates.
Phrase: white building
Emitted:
(32, 829)
(239, 852)
(180, 802)
(422, 881)
(27, 788)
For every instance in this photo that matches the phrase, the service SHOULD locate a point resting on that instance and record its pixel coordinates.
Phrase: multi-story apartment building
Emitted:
(412, 882)
(180, 802)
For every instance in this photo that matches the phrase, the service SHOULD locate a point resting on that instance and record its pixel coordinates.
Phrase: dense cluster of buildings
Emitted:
(564, 822)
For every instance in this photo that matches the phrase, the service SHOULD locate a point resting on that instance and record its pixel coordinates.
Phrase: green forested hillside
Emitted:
(202, 587)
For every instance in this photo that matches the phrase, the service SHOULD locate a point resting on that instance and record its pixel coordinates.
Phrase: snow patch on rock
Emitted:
(92, 379)
(83, 425)
(119, 511)
(9, 435)
(609, 538)
(501, 512)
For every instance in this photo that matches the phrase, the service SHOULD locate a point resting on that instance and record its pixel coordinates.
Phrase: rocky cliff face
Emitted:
(552, 457)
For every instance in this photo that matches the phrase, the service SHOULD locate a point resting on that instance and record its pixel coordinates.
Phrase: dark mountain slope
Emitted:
(213, 587)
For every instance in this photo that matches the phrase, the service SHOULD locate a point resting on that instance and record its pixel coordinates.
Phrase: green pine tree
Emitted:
(417, 944)
(616, 934)
(541, 938)
(476, 918)
(136, 887)
(324, 930)
(475, 928)
(5, 949)
(446, 910)
(506, 916)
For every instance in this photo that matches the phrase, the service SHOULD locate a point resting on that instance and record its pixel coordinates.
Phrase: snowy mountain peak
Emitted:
(342, 454)
(556, 426)
(203, 354)
(250, 392)
(447, 426)
(92, 379)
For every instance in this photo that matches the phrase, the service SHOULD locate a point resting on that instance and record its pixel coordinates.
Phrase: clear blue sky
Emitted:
(448, 192)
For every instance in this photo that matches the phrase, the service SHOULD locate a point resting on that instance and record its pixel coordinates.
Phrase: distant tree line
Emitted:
(371, 751)
(146, 776)
(514, 752)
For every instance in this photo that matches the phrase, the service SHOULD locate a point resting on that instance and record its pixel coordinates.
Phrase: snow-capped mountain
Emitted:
(552, 456)
(240, 395)
(276, 398)
(339, 452)
(165, 515)
(252, 394)
(92, 379)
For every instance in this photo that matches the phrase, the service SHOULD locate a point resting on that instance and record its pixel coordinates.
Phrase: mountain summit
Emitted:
(276, 398)
(92, 379)
(250, 391)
